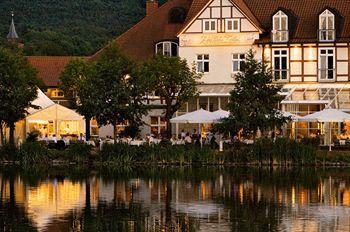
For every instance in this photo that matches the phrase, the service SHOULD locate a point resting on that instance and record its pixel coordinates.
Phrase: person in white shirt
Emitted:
(183, 134)
(188, 139)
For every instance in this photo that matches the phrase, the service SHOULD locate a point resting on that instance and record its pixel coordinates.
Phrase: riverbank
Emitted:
(265, 152)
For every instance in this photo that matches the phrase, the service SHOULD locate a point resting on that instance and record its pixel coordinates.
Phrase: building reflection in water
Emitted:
(233, 200)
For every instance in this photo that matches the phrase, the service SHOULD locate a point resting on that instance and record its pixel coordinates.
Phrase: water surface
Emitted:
(174, 199)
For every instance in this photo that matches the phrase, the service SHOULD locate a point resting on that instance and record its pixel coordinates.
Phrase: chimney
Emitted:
(151, 6)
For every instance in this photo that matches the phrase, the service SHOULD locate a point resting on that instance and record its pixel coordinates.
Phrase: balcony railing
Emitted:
(280, 36)
(326, 35)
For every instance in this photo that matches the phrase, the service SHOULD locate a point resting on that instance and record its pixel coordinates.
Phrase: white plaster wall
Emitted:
(342, 53)
(310, 53)
(295, 53)
(295, 79)
(220, 60)
(310, 68)
(195, 27)
(247, 26)
(295, 68)
(342, 68)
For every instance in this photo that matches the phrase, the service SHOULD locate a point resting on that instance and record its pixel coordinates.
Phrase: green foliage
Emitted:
(119, 96)
(253, 100)
(78, 152)
(171, 79)
(18, 88)
(32, 153)
(33, 136)
(66, 27)
(78, 79)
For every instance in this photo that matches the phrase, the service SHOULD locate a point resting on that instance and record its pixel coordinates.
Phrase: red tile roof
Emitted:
(139, 41)
(306, 13)
(50, 67)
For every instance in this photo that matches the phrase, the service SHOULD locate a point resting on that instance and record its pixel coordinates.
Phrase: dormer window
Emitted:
(167, 48)
(326, 26)
(280, 27)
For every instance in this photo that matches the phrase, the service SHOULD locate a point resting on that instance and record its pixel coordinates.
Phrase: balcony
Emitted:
(280, 36)
(326, 35)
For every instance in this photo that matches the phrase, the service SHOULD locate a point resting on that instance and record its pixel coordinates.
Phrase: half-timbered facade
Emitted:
(306, 44)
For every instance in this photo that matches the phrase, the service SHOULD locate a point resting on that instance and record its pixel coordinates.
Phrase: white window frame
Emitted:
(280, 70)
(277, 33)
(201, 63)
(159, 124)
(238, 60)
(326, 79)
(238, 29)
(164, 44)
(328, 33)
(210, 21)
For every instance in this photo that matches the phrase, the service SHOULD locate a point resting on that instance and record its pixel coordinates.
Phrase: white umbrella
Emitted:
(200, 116)
(292, 116)
(221, 114)
(329, 116)
(326, 115)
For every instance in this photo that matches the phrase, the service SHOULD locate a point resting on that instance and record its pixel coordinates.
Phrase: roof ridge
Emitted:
(144, 19)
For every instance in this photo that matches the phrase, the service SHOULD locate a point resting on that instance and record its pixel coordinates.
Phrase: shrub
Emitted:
(78, 152)
(32, 152)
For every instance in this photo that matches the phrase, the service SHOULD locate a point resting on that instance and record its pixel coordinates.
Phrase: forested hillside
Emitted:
(69, 27)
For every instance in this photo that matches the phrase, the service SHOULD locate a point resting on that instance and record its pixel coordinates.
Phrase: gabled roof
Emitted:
(139, 41)
(199, 5)
(50, 67)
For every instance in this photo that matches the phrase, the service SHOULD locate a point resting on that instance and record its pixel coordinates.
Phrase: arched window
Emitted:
(280, 27)
(177, 15)
(326, 26)
(167, 48)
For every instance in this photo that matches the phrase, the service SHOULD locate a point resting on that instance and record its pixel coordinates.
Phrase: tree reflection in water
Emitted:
(174, 199)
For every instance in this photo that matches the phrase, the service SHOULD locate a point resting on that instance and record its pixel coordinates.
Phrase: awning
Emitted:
(334, 95)
(215, 90)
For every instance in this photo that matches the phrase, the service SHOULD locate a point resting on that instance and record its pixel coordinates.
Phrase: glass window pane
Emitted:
(277, 75)
(330, 74)
(330, 23)
(199, 57)
(235, 56)
(213, 25)
(277, 63)
(200, 66)
(235, 25)
(206, 66)
(206, 57)
(229, 25)
(323, 23)
(330, 62)
(235, 66)
(276, 23)
(206, 25)
(283, 23)
(284, 63)
(174, 48)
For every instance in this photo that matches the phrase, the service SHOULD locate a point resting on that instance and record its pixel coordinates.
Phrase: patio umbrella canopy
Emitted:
(326, 115)
(221, 114)
(199, 116)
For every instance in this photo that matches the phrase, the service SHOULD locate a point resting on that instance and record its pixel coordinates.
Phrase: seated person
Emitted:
(188, 139)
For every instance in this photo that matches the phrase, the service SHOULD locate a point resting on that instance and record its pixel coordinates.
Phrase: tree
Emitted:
(18, 88)
(254, 100)
(171, 79)
(78, 80)
(119, 94)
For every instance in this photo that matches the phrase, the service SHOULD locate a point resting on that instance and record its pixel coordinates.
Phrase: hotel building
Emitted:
(306, 43)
